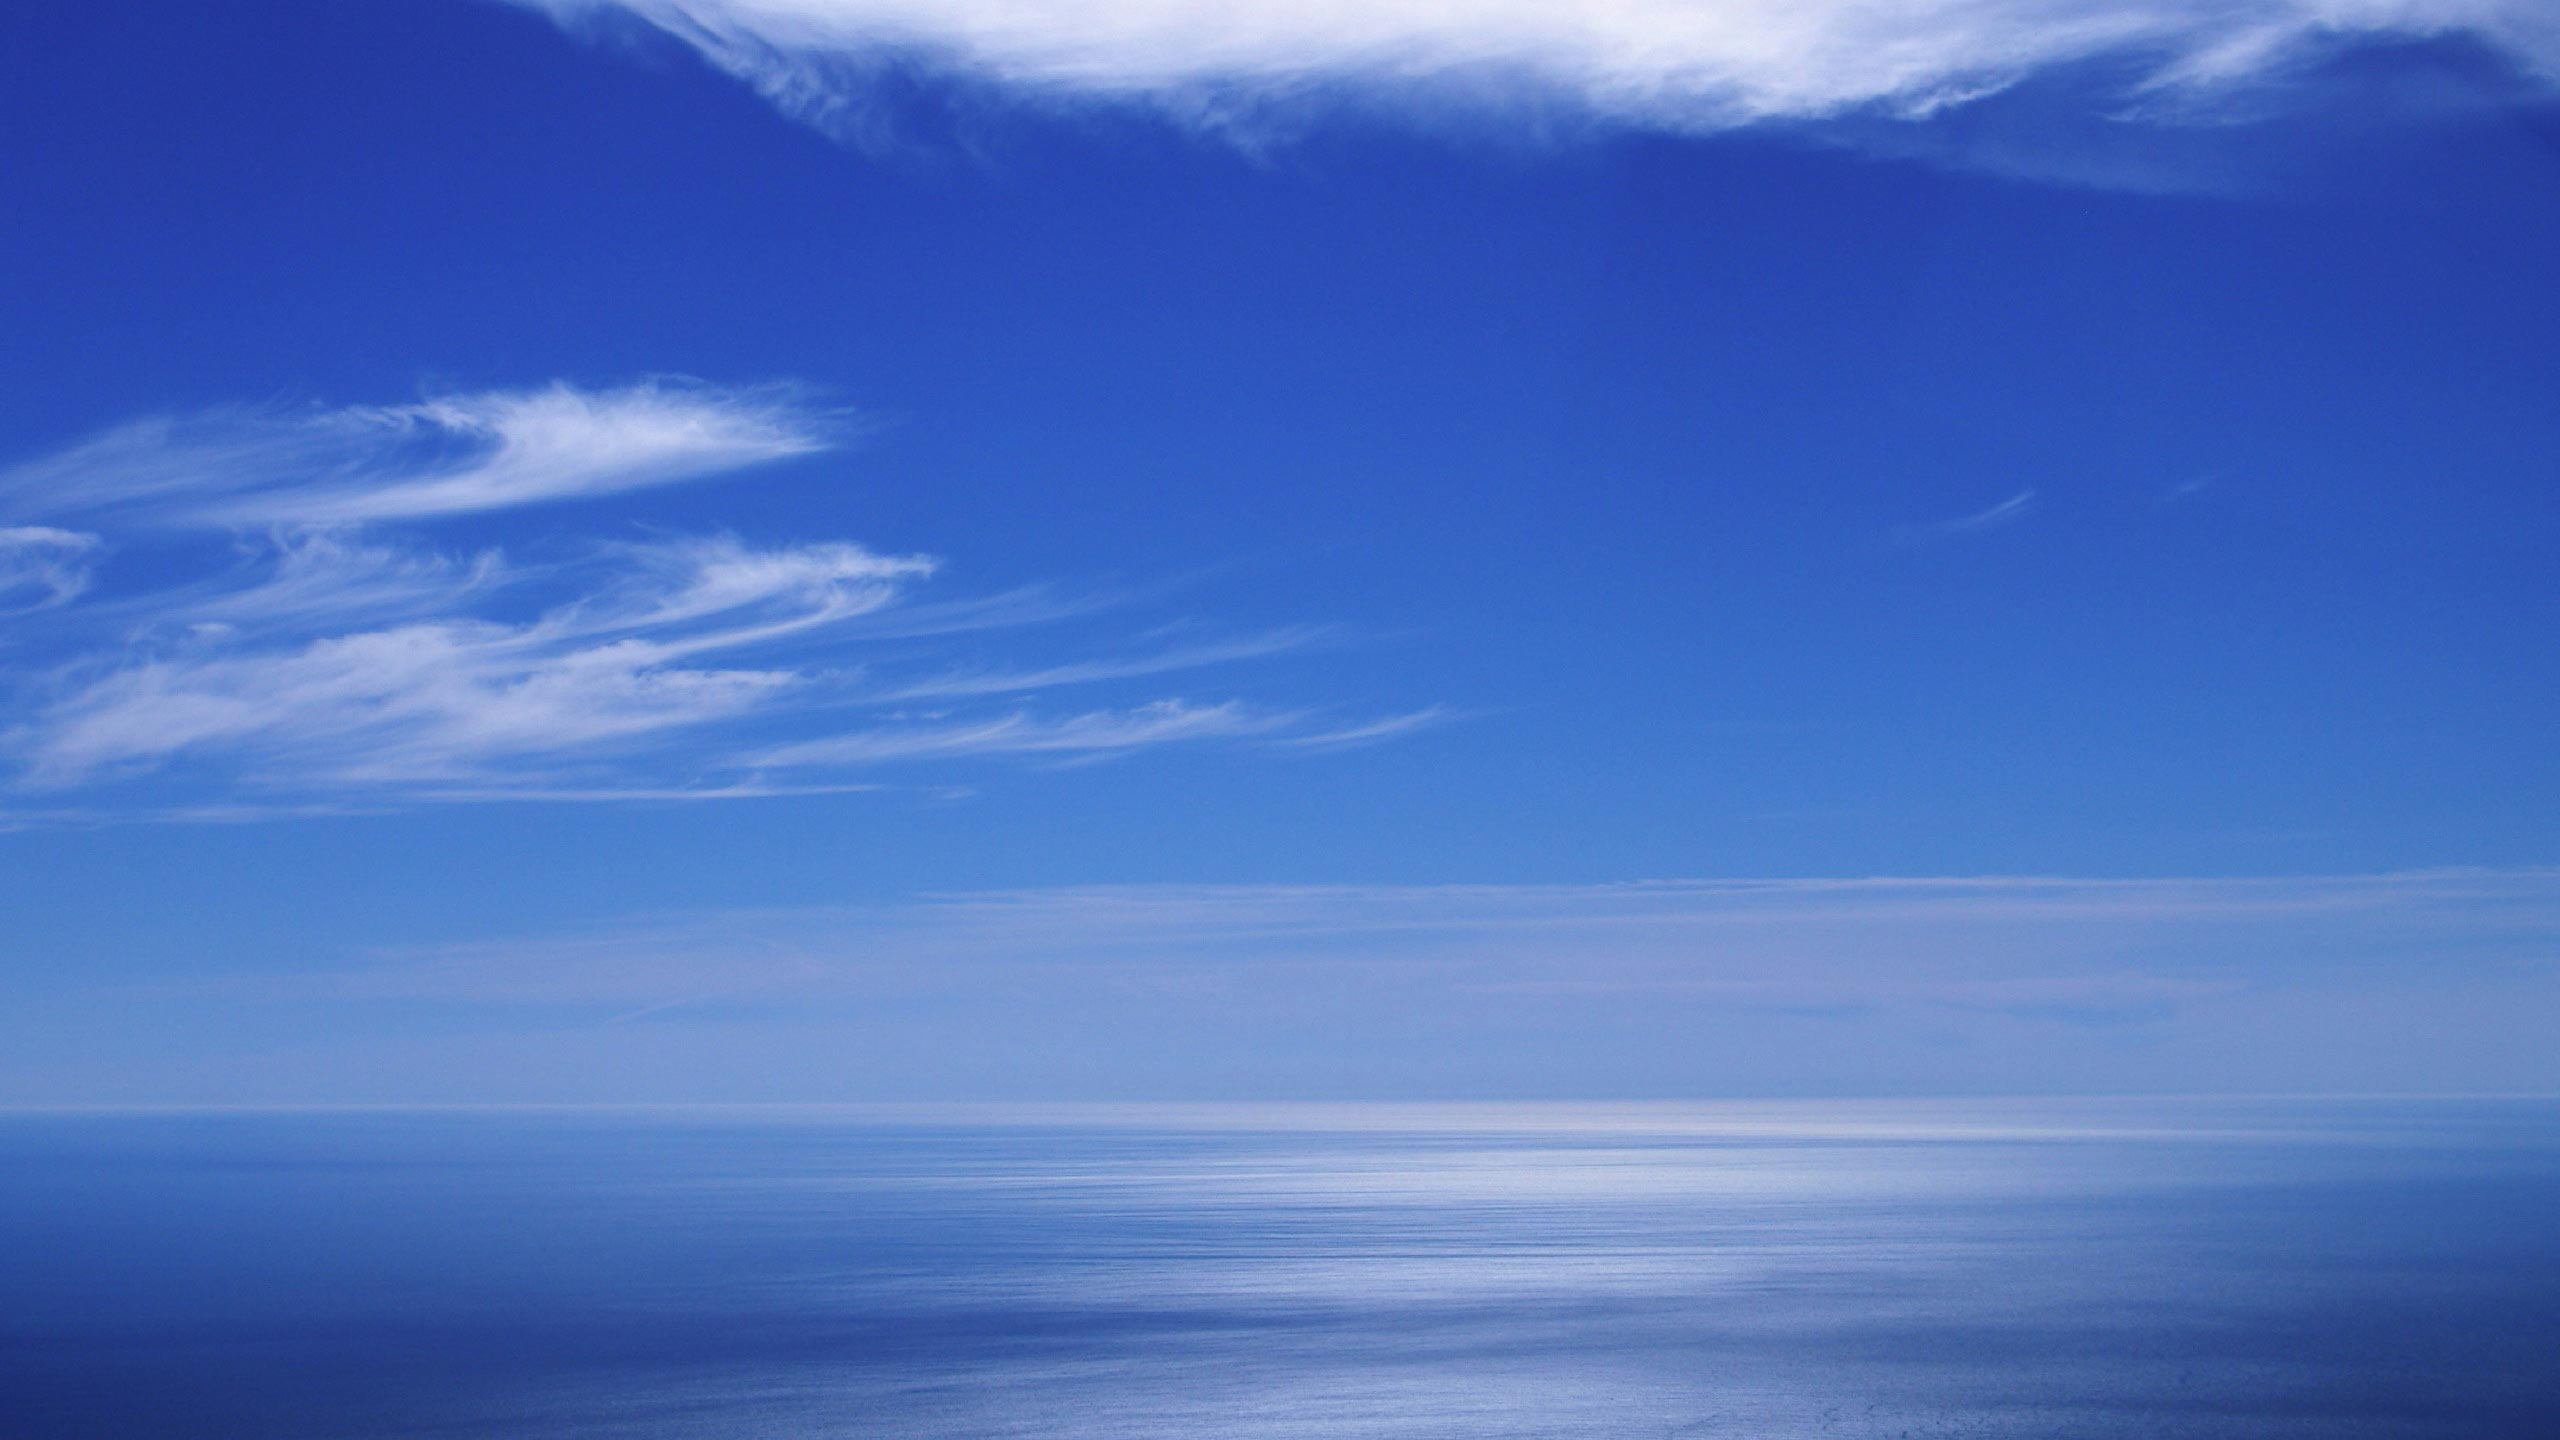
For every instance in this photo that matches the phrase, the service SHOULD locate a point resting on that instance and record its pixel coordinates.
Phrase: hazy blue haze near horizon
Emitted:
(2144, 1270)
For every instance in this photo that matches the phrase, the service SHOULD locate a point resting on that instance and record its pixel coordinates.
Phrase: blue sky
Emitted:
(812, 549)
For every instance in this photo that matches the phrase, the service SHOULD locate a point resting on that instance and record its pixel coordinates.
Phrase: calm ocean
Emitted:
(2142, 1270)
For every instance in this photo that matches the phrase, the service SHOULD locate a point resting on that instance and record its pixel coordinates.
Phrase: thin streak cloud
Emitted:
(1373, 732)
(1084, 672)
(1092, 733)
(1990, 517)
(2199, 956)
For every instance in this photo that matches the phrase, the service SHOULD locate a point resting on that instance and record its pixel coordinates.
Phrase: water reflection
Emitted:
(2093, 1269)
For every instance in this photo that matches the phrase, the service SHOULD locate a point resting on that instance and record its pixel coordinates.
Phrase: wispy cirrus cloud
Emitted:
(41, 566)
(439, 696)
(1990, 517)
(320, 649)
(961, 683)
(448, 455)
(1372, 732)
(1094, 732)
(1739, 983)
(1997, 941)
(1676, 65)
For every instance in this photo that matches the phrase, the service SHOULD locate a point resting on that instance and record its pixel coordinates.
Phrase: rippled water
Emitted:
(1769, 1270)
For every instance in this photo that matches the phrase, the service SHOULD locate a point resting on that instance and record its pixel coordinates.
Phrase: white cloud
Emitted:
(2419, 982)
(1085, 672)
(1685, 65)
(1373, 732)
(449, 697)
(1093, 733)
(2061, 951)
(41, 567)
(327, 658)
(448, 455)
(2006, 512)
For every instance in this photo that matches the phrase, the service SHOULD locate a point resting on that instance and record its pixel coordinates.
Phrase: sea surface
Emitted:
(2144, 1270)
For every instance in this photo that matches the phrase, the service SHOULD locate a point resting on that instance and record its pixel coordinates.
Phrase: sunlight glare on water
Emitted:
(2134, 1269)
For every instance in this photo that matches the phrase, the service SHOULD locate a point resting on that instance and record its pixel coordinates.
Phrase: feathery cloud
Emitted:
(41, 566)
(1679, 65)
(449, 455)
(332, 656)
(447, 696)
(1094, 732)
